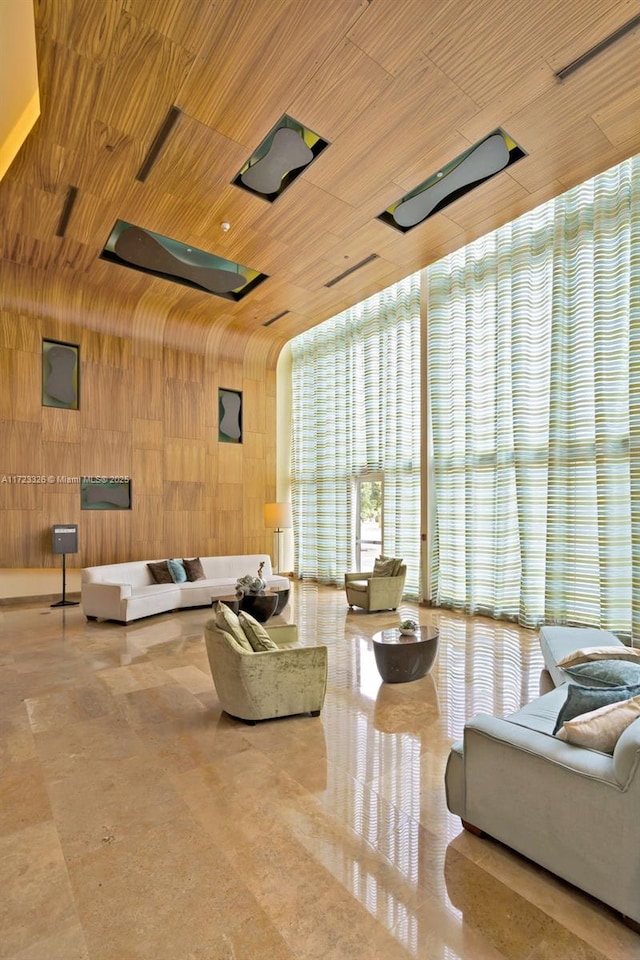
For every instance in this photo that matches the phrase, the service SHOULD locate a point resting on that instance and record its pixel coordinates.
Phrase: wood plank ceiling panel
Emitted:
(264, 51)
(398, 89)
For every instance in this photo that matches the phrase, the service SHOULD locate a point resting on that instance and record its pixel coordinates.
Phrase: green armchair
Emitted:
(270, 683)
(372, 592)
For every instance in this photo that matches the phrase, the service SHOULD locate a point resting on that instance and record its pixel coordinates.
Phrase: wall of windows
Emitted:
(356, 411)
(534, 390)
(533, 380)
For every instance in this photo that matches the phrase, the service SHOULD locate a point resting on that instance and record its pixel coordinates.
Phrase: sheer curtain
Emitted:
(356, 409)
(534, 389)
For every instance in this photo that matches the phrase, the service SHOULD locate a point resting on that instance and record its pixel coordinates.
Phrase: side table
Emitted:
(402, 658)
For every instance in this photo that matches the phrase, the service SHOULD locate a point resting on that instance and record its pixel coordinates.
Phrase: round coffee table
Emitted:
(283, 597)
(401, 658)
(231, 601)
(260, 605)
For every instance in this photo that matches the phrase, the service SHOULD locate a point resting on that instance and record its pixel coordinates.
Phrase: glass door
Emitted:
(368, 532)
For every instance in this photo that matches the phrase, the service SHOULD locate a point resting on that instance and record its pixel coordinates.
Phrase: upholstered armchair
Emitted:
(270, 683)
(373, 592)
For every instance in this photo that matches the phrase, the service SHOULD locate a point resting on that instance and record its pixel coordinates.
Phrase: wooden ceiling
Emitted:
(398, 87)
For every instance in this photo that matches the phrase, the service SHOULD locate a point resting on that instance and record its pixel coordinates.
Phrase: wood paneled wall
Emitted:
(148, 410)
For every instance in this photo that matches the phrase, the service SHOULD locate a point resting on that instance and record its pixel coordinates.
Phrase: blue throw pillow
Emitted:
(585, 699)
(177, 571)
(606, 673)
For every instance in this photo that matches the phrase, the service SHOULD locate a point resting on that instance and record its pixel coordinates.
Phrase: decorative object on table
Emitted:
(60, 374)
(249, 584)
(408, 627)
(278, 516)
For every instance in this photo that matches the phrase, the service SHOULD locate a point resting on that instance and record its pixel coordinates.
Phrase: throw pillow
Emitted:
(584, 699)
(606, 673)
(177, 571)
(599, 653)
(601, 729)
(256, 633)
(194, 569)
(227, 621)
(160, 572)
(384, 568)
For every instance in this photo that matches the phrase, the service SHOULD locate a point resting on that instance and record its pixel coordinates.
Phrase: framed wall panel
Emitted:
(105, 493)
(229, 416)
(60, 374)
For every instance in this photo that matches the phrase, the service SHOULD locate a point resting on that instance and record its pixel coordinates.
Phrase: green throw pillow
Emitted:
(585, 699)
(227, 621)
(606, 673)
(256, 633)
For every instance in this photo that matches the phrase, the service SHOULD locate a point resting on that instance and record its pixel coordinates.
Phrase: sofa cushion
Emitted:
(601, 729)
(256, 633)
(177, 571)
(605, 673)
(541, 713)
(194, 569)
(585, 699)
(589, 654)
(384, 567)
(558, 642)
(227, 621)
(361, 585)
(160, 572)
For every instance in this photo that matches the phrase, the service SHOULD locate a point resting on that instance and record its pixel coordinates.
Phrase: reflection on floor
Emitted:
(137, 822)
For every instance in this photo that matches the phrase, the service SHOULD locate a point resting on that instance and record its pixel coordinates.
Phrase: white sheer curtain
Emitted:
(356, 409)
(534, 385)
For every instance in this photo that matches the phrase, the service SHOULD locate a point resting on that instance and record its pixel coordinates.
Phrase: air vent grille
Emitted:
(357, 266)
(65, 215)
(278, 316)
(158, 143)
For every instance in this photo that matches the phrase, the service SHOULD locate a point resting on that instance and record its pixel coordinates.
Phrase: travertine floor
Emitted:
(139, 823)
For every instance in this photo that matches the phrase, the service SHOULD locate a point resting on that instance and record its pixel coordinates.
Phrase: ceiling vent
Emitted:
(278, 316)
(357, 266)
(156, 147)
(65, 215)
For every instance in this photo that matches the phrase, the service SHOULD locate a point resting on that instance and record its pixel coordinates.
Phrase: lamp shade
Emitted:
(277, 515)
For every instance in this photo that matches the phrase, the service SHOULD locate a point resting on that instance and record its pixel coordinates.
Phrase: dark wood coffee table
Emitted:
(283, 597)
(401, 658)
(260, 605)
(231, 601)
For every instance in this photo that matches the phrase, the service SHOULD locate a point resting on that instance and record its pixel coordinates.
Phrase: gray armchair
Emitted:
(371, 592)
(270, 683)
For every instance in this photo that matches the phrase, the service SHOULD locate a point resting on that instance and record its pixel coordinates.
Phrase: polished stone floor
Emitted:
(137, 822)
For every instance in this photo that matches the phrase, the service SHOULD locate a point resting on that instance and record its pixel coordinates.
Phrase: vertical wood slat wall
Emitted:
(148, 410)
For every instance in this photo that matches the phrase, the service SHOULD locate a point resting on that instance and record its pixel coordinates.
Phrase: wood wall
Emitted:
(148, 410)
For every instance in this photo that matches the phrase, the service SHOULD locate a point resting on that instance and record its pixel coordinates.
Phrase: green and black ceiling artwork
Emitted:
(141, 249)
(476, 165)
(283, 155)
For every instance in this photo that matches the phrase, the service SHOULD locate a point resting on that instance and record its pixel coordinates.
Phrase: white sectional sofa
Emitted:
(127, 591)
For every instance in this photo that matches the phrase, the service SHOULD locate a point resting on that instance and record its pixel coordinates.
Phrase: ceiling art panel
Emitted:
(132, 246)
